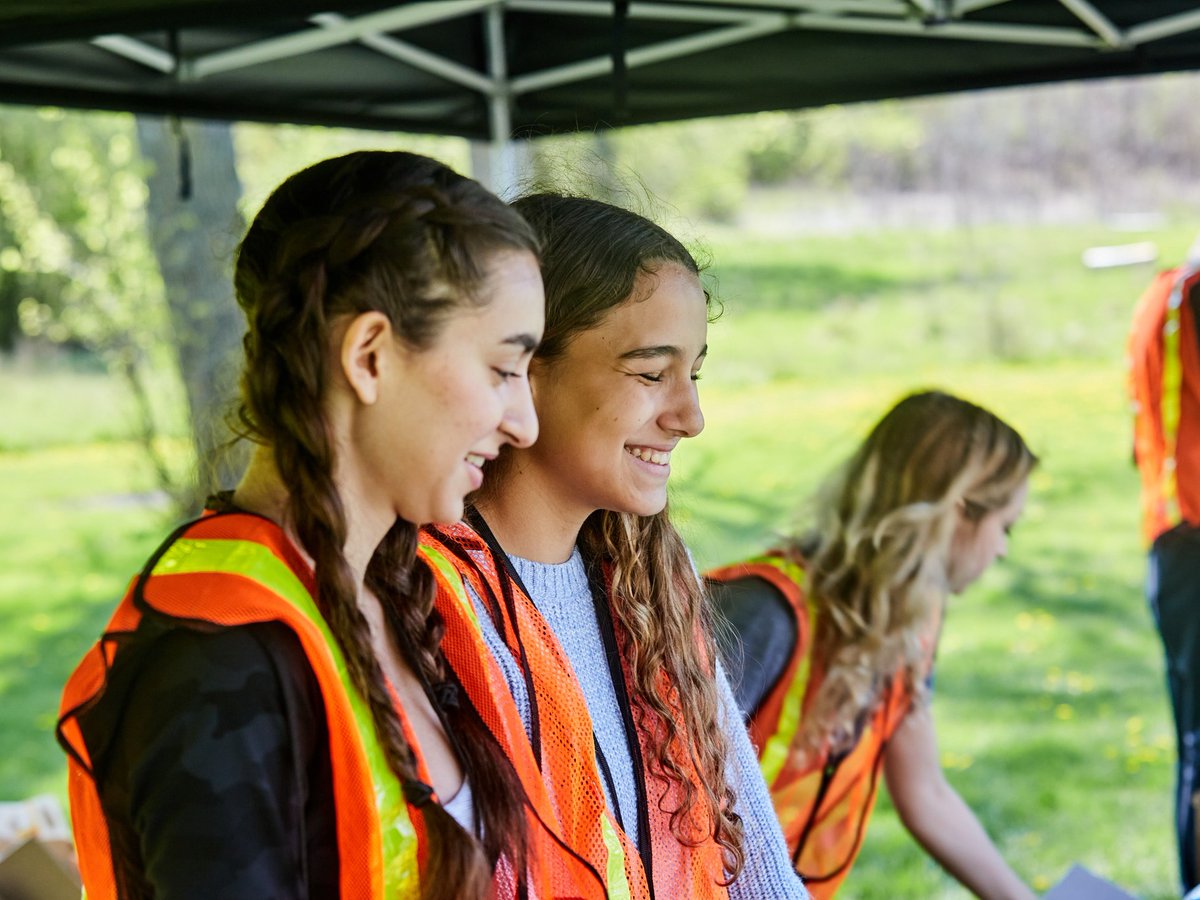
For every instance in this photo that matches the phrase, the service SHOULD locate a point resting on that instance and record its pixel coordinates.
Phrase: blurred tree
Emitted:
(75, 258)
(195, 225)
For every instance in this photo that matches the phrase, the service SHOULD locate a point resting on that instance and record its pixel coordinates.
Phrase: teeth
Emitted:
(658, 457)
(475, 459)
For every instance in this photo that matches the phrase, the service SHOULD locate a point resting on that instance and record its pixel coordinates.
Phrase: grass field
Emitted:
(1051, 714)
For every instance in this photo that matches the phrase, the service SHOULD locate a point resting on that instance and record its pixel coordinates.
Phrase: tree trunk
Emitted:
(194, 238)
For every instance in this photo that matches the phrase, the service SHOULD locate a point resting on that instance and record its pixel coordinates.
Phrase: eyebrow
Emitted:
(656, 352)
(524, 340)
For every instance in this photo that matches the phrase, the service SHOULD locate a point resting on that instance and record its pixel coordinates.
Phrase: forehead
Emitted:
(667, 308)
(510, 295)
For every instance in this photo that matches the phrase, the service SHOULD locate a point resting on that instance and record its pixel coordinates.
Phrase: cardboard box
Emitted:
(37, 860)
(35, 871)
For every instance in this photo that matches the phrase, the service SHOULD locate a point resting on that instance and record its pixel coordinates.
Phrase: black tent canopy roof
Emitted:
(494, 68)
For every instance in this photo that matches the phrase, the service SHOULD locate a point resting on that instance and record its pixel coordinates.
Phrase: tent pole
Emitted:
(495, 162)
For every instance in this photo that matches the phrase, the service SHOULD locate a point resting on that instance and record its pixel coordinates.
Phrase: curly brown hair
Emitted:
(592, 255)
(387, 232)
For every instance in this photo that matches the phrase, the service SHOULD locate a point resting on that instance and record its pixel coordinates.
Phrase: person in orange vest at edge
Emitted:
(838, 630)
(269, 713)
(1164, 370)
(586, 592)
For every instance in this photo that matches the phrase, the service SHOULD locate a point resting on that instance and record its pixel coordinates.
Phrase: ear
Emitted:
(365, 348)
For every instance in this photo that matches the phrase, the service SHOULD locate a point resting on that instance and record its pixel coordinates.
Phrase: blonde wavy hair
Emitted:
(877, 558)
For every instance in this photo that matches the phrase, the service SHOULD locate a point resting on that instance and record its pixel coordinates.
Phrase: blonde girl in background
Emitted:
(838, 630)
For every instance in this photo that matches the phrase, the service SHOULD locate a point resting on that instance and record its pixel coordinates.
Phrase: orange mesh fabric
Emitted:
(564, 743)
(1164, 385)
(823, 804)
(228, 600)
(556, 870)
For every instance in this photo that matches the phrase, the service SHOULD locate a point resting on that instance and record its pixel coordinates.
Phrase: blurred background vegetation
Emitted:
(858, 253)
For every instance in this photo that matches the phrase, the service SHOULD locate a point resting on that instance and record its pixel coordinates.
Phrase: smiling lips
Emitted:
(476, 461)
(650, 455)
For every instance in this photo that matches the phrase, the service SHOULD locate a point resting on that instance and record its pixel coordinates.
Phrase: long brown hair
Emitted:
(592, 255)
(406, 236)
(877, 559)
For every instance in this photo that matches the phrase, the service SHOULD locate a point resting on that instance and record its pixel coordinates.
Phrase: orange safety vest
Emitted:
(823, 803)
(564, 744)
(1164, 383)
(558, 871)
(235, 569)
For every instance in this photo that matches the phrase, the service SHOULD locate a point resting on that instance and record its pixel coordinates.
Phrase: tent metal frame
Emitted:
(733, 21)
(721, 23)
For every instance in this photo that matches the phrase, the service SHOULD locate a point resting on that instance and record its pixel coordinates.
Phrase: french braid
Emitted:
(406, 236)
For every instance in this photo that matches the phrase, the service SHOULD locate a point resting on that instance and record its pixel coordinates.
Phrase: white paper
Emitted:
(1080, 884)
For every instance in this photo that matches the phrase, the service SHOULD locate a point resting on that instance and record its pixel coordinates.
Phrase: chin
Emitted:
(644, 506)
(449, 514)
(960, 584)
(447, 511)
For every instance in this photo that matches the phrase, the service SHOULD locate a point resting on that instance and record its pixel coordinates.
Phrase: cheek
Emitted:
(995, 540)
(472, 402)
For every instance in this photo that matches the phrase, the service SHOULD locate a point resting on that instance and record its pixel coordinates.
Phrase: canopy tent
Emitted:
(491, 69)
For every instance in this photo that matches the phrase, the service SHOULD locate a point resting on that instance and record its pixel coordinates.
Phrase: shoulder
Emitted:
(173, 683)
(218, 727)
(759, 633)
(224, 658)
(752, 603)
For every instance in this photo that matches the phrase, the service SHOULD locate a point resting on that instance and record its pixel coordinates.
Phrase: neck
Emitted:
(262, 491)
(530, 519)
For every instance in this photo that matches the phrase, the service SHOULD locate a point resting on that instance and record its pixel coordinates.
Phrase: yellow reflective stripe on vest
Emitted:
(778, 745)
(256, 562)
(452, 578)
(616, 880)
(1172, 383)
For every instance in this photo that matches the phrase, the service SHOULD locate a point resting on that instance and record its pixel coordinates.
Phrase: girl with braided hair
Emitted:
(269, 713)
(586, 592)
(838, 630)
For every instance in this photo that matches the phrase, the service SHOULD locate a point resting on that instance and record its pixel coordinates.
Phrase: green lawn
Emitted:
(1051, 713)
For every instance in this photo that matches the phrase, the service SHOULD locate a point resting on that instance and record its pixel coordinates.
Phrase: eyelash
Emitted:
(657, 378)
(505, 374)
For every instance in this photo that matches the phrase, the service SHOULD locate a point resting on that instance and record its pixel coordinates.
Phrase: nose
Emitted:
(684, 416)
(520, 423)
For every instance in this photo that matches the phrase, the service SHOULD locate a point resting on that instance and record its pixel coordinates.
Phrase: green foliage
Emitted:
(636, 163)
(72, 199)
(776, 143)
(712, 186)
(267, 154)
(1126, 143)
